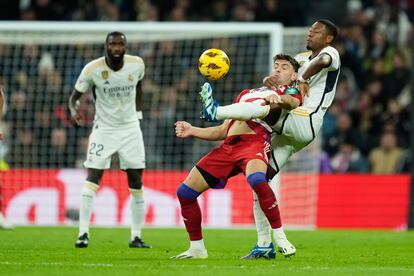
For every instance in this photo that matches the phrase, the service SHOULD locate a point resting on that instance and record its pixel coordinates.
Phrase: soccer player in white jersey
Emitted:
(318, 76)
(115, 82)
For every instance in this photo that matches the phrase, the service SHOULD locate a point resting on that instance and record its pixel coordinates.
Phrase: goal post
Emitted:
(40, 62)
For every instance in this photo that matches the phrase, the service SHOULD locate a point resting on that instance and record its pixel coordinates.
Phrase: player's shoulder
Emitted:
(133, 59)
(93, 65)
(303, 55)
(331, 51)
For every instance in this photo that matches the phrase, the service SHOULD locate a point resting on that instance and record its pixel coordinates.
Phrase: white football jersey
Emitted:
(114, 92)
(323, 84)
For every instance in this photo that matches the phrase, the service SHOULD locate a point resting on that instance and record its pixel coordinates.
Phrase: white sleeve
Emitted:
(141, 70)
(84, 82)
(333, 53)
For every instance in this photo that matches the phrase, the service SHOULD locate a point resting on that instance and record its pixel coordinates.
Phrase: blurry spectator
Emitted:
(220, 11)
(396, 118)
(329, 121)
(344, 132)
(242, 12)
(268, 11)
(106, 11)
(46, 10)
(399, 76)
(325, 163)
(388, 157)
(58, 153)
(23, 153)
(346, 91)
(42, 128)
(348, 159)
(97, 10)
(178, 13)
(364, 110)
(145, 11)
(19, 113)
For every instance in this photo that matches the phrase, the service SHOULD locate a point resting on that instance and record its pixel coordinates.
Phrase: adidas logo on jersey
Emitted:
(106, 82)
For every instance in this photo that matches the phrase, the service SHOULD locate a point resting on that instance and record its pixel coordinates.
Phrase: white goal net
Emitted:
(39, 66)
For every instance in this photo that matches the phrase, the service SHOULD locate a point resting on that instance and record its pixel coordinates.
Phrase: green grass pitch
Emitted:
(50, 251)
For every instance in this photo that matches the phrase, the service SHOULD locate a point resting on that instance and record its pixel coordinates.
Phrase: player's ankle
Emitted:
(197, 245)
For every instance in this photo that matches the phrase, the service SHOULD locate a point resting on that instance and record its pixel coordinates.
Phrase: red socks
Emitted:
(190, 210)
(268, 203)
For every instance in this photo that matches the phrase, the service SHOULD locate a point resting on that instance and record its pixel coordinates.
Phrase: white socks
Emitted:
(86, 206)
(197, 245)
(242, 111)
(279, 236)
(262, 224)
(137, 212)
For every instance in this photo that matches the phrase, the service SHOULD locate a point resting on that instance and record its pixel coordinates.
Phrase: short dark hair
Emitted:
(114, 34)
(331, 28)
(288, 58)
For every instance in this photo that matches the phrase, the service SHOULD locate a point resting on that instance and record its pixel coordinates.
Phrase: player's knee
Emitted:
(134, 178)
(256, 178)
(183, 191)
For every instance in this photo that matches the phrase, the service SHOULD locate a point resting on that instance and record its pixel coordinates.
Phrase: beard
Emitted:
(116, 59)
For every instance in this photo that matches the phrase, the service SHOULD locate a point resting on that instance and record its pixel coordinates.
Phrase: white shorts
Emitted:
(128, 143)
(293, 132)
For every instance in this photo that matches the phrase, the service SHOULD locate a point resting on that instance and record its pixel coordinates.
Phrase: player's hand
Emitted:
(183, 129)
(76, 118)
(270, 82)
(272, 99)
(1, 134)
(303, 89)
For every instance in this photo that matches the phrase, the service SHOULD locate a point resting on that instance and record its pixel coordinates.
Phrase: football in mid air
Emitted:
(214, 64)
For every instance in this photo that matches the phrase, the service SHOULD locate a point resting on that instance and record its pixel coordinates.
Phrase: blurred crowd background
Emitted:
(367, 129)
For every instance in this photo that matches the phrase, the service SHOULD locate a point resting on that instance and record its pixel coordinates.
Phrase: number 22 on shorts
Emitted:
(96, 149)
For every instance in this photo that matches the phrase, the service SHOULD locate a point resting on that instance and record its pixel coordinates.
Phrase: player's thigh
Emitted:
(282, 149)
(217, 167)
(196, 181)
(132, 150)
(102, 145)
(299, 128)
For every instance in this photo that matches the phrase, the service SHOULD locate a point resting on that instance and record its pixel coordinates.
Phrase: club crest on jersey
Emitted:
(105, 75)
(130, 77)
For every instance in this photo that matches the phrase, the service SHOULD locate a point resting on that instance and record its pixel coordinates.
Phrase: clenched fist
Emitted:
(183, 129)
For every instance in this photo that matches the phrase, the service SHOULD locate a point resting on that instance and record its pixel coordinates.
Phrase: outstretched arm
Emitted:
(73, 107)
(184, 129)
